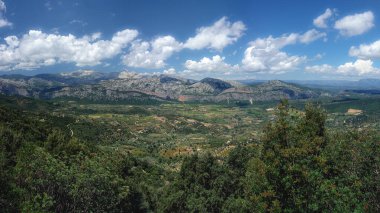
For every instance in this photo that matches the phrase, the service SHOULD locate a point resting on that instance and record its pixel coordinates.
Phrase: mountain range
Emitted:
(97, 86)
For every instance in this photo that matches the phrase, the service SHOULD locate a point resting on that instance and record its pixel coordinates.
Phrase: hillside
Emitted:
(65, 156)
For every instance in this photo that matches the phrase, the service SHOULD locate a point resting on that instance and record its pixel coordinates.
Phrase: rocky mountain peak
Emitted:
(217, 84)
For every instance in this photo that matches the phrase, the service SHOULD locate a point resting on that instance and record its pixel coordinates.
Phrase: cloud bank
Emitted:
(36, 49)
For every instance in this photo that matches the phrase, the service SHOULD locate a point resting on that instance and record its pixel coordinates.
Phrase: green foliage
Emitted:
(48, 184)
(41, 178)
(301, 167)
(240, 205)
(291, 152)
(200, 186)
(296, 164)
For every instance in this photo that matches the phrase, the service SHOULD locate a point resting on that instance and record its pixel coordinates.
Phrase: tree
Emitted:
(200, 186)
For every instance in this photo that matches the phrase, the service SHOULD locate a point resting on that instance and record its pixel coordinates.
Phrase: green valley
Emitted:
(172, 156)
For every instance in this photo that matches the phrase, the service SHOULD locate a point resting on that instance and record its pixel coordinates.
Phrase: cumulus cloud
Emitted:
(170, 71)
(311, 35)
(152, 54)
(356, 24)
(324, 68)
(3, 21)
(359, 67)
(221, 34)
(265, 55)
(262, 55)
(214, 64)
(321, 20)
(36, 49)
(366, 51)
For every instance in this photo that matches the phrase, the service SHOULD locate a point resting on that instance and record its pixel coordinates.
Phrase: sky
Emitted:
(229, 39)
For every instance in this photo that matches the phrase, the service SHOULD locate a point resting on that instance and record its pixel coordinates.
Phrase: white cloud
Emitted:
(214, 64)
(324, 68)
(3, 21)
(311, 35)
(170, 71)
(319, 56)
(3, 8)
(152, 54)
(265, 55)
(356, 24)
(128, 74)
(95, 36)
(321, 20)
(262, 55)
(359, 67)
(221, 34)
(37, 49)
(366, 51)
(79, 22)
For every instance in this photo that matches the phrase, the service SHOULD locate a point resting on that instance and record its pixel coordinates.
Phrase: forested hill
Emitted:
(298, 165)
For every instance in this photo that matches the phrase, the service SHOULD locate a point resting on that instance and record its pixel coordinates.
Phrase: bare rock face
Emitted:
(125, 85)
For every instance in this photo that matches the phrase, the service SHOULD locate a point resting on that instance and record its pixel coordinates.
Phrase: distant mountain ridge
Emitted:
(92, 85)
(362, 84)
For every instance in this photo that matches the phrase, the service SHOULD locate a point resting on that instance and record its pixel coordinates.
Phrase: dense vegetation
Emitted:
(296, 165)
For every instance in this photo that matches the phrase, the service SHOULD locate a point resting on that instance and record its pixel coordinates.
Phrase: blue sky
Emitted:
(237, 39)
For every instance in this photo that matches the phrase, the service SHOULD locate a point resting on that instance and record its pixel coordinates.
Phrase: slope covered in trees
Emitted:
(298, 165)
